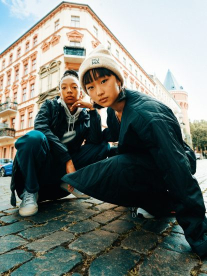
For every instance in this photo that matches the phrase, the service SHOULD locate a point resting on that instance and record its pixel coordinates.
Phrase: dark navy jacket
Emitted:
(51, 120)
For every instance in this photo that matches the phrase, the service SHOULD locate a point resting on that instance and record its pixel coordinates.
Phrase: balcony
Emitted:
(74, 54)
(8, 108)
(7, 134)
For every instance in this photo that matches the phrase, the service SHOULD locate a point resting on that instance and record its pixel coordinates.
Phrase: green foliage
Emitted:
(199, 134)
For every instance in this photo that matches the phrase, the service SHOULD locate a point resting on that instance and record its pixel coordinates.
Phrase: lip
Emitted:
(103, 100)
(70, 98)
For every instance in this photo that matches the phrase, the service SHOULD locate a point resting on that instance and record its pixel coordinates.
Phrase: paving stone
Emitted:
(13, 258)
(177, 229)
(121, 209)
(140, 241)
(50, 241)
(10, 242)
(204, 265)
(56, 262)
(202, 274)
(176, 242)
(75, 205)
(14, 228)
(94, 200)
(12, 211)
(83, 226)
(94, 242)
(43, 230)
(115, 263)
(2, 214)
(9, 219)
(129, 217)
(106, 216)
(167, 263)
(156, 226)
(104, 206)
(42, 217)
(80, 215)
(119, 226)
(5, 207)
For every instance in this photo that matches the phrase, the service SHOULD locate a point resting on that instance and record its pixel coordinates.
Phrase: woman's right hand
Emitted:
(70, 168)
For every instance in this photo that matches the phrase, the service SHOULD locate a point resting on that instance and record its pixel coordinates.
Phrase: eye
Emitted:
(104, 80)
(63, 87)
(89, 88)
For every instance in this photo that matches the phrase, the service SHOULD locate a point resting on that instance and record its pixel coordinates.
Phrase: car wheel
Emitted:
(2, 172)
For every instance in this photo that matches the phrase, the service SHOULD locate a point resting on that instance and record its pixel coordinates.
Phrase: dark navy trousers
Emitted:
(41, 172)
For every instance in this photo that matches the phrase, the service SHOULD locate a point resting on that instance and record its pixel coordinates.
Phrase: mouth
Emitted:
(69, 98)
(103, 100)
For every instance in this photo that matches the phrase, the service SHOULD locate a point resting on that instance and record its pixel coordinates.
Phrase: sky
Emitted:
(159, 34)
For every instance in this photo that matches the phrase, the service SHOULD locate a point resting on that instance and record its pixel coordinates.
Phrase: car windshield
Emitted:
(5, 161)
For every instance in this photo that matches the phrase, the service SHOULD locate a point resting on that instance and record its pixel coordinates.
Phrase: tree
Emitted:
(199, 134)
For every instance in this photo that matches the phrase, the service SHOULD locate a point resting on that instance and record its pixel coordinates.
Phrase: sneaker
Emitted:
(70, 189)
(143, 213)
(28, 206)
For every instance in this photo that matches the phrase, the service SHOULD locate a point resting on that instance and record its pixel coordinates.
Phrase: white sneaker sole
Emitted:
(75, 192)
(144, 213)
(28, 213)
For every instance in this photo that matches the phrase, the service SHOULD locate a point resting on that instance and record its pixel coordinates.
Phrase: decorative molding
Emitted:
(75, 36)
(55, 40)
(31, 79)
(23, 82)
(33, 55)
(95, 43)
(125, 74)
(17, 66)
(15, 86)
(45, 46)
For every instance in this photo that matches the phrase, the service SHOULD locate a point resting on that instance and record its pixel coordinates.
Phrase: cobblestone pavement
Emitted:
(90, 237)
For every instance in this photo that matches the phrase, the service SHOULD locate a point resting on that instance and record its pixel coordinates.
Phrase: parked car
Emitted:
(6, 167)
(198, 155)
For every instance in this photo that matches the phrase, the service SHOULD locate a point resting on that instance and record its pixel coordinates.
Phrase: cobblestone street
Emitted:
(90, 237)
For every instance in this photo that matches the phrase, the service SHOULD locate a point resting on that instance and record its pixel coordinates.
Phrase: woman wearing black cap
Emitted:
(154, 168)
(55, 147)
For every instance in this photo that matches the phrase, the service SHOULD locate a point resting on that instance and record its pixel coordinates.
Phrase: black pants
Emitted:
(41, 172)
(132, 180)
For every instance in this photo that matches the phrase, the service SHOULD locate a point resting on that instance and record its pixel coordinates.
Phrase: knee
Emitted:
(30, 140)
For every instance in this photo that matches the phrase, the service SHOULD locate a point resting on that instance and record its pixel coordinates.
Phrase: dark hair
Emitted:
(94, 74)
(70, 73)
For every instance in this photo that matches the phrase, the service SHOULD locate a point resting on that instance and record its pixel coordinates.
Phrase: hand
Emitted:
(70, 168)
(82, 104)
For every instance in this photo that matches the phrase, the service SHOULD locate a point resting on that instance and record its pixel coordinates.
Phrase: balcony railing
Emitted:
(8, 108)
(74, 54)
(6, 133)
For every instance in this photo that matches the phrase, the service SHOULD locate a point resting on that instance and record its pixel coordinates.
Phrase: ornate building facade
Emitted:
(31, 68)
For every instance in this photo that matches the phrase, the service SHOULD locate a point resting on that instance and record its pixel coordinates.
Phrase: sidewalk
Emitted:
(90, 237)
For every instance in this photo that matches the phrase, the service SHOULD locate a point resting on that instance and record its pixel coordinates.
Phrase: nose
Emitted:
(69, 90)
(99, 91)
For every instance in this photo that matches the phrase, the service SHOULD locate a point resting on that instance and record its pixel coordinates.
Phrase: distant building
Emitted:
(30, 68)
(181, 97)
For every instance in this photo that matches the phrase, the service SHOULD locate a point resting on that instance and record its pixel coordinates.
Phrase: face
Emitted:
(70, 89)
(104, 91)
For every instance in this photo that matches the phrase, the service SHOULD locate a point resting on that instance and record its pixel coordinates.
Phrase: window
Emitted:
(3, 64)
(131, 85)
(10, 58)
(35, 41)
(9, 79)
(13, 122)
(56, 26)
(124, 60)
(12, 153)
(30, 119)
(27, 47)
(19, 53)
(24, 94)
(140, 77)
(17, 75)
(22, 121)
(75, 21)
(125, 81)
(26, 69)
(136, 73)
(75, 43)
(32, 90)
(33, 64)
(109, 45)
(95, 31)
(15, 97)
(130, 67)
(1, 83)
(145, 83)
(117, 53)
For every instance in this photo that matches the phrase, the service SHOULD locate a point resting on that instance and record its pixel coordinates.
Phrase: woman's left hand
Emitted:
(82, 104)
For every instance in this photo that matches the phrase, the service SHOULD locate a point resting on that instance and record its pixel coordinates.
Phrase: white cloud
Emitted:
(30, 8)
